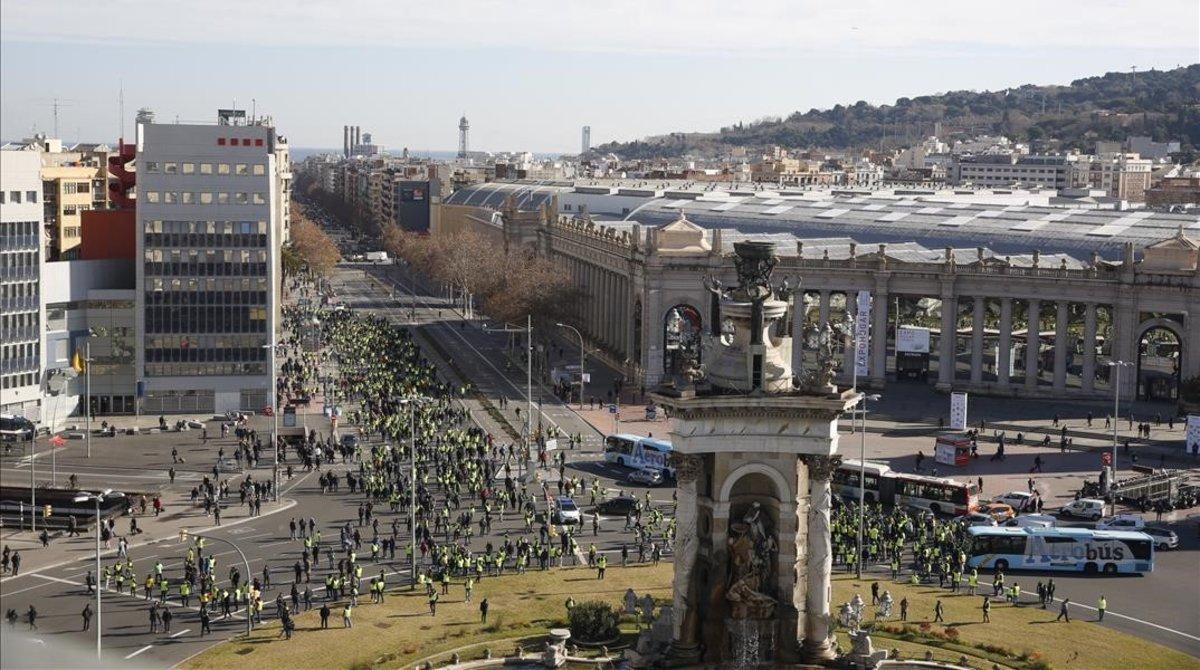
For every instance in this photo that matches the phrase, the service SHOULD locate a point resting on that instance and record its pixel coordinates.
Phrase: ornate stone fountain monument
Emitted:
(755, 446)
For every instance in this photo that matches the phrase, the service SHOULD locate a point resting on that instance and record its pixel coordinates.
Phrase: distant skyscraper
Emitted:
(587, 140)
(464, 129)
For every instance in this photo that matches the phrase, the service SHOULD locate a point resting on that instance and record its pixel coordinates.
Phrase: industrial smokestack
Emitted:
(357, 137)
(346, 141)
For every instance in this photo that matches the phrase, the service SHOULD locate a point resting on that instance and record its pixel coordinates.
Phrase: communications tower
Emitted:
(464, 129)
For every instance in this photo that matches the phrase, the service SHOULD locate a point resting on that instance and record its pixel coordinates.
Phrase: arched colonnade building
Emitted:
(1110, 286)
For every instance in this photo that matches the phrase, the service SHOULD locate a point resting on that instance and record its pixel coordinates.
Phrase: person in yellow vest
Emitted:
(973, 581)
(1101, 605)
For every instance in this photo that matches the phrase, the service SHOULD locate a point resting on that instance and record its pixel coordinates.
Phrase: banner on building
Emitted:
(862, 333)
(1192, 442)
(912, 340)
(958, 411)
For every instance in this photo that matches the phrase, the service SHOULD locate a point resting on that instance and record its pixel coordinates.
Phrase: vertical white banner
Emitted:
(1192, 442)
(958, 411)
(862, 333)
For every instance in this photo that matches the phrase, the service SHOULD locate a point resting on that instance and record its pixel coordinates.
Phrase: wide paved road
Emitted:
(141, 462)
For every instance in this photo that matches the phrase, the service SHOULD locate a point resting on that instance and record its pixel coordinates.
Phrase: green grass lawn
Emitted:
(401, 631)
(1028, 633)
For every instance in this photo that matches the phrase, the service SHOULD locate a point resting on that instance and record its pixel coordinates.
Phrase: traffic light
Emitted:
(47, 511)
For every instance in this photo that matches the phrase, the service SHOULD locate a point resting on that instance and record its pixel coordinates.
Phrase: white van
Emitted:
(1084, 508)
(1032, 521)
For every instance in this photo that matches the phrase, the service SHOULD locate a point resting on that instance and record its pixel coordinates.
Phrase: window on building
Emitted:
(15, 196)
(31, 196)
(189, 168)
(259, 199)
(223, 168)
(243, 169)
(171, 168)
(241, 198)
(222, 198)
(259, 169)
(151, 166)
(170, 197)
(152, 197)
(188, 198)
(206, 198)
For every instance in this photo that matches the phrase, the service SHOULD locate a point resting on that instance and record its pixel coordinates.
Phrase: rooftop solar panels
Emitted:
(955, 221)
(1035, 224)
(831, 213)
(1113, 228)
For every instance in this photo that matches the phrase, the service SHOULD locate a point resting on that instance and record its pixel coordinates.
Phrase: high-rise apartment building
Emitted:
(21, 259)
(210, 221)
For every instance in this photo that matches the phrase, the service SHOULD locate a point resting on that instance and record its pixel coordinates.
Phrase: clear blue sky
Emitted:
(529, 74)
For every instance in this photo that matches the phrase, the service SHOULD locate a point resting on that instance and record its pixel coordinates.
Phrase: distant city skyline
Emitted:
(530, 76)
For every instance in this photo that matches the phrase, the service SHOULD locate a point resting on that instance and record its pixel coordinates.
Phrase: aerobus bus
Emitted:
(1085, 550)
(939, 495)
(638, 451)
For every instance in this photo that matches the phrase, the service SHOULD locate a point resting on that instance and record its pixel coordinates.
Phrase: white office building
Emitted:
(211, 220)
(21, 260)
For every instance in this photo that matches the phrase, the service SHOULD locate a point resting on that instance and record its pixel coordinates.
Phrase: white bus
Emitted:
(1066, 549)
(637, 452)
(939, 495)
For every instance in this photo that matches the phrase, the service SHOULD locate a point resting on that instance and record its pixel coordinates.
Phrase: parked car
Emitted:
(1084, 508)
(617, 506)
(647, 476)
(977, 519)
(1032, 521)
(1018, 500)
(999, 511)
(1164, 538)
(566, 511)
(1121, 522)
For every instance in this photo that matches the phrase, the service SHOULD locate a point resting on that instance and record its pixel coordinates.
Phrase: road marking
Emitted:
(288, 504)
(1137, 620)
(149, 646)
(57, 579)
(185, 630)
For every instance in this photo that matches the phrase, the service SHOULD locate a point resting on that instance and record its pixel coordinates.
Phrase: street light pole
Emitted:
(97, 497)
(528, 386)
(862, 480)
(274, 416)
(87, 408)
(581, 358)
(1116, 366)
(183, 536)
(412, 401)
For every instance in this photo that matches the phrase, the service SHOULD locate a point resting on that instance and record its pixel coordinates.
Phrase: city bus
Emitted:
(1067, 549)
(939, 495)
(638, 452)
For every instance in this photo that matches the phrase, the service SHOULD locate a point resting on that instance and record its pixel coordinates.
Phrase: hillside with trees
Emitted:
(1164, 105)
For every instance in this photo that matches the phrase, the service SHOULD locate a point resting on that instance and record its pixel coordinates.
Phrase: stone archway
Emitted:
(1159, 361)
(682, 326)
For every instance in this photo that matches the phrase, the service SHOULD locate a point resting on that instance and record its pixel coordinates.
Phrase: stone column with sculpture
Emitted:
(818, 623)
(688, 594)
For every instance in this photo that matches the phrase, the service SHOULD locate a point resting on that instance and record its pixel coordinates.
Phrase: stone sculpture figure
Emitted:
(750, 562)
